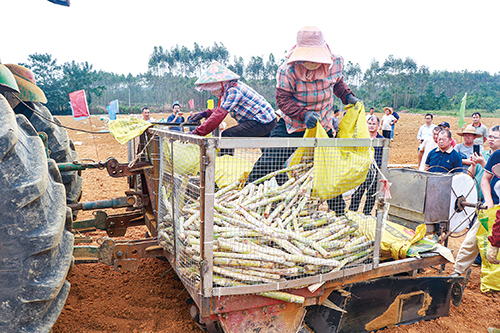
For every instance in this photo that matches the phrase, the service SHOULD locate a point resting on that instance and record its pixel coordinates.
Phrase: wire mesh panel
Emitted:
(179, 207)
(292, 221)
(280, 213)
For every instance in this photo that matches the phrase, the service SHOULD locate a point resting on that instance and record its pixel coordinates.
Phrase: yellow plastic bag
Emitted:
(125, 129)
(339, 169)
(490, 274)
(229, 169)
(398, 242)
(186, 158)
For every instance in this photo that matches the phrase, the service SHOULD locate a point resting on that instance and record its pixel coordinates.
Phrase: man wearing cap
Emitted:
(254, 115)
(479, 128)
(443, 158)
(466, 149)
(426, 146)
(176, 116)
(446, 125)
(305, 85)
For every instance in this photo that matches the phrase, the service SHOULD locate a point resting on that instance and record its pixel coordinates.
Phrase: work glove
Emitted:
(198, 116)
(311, 118)
(351, 99)
(492, 255)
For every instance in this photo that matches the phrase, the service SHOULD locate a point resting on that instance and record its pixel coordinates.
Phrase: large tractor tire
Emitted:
(35, 247)
(61, 148)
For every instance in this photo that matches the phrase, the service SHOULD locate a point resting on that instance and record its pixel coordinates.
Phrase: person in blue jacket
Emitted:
(176, 117)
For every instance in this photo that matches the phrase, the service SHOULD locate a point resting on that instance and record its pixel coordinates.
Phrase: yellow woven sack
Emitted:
(339, 169)
(229, 169)
(490, 274)
(125, 129)
(398, 242)
(186, 158)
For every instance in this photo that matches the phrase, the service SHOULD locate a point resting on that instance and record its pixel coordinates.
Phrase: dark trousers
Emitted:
(273, 159)
(386, 134)
(370, 186)
(249, 128)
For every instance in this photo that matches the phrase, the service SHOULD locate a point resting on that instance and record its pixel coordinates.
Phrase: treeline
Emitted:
(399, 83)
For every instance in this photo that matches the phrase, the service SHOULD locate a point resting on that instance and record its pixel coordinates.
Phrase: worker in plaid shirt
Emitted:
(255, 116)
(305, 87)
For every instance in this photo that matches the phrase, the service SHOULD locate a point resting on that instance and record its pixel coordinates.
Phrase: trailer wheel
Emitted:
(210, 327)
(35, 248)
(61, 148)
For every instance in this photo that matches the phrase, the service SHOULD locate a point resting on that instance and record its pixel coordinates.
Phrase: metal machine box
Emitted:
(419, 196)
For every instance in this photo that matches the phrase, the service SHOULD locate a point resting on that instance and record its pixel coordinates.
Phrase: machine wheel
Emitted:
(61, 148)
(35, 247)
(210, 327)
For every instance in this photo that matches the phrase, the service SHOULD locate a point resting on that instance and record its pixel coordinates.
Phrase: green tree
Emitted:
(271, 68)
(78, 76)
(255, 69)
(238, 66)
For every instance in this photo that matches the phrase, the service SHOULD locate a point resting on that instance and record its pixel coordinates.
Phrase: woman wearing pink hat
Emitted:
(305, 87)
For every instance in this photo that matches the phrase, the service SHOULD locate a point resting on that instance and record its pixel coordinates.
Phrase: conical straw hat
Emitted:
(216, 73)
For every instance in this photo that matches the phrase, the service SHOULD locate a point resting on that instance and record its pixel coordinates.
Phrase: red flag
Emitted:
(78, 102)
(191, 103)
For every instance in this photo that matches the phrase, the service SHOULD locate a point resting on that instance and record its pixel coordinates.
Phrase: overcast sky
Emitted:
(119, 35)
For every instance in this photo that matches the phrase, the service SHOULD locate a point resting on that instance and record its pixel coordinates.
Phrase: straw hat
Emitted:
(213, 74)
(311, 46)
(388, 108)
(470, 130)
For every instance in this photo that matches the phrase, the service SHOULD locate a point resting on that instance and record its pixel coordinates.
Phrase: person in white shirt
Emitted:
(480, 129)
(425, 131)
(369, 115)
(426, 146)
(386, 123)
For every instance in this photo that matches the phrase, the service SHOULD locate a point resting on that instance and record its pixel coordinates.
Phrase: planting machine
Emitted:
(268, 256)
(243, 275)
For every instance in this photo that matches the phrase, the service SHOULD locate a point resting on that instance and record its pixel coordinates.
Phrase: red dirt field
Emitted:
(152, 300)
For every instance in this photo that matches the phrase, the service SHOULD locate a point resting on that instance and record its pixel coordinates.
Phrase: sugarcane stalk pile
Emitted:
(265, 232)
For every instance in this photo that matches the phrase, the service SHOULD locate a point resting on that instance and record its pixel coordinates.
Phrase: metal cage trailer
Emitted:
(268, 254)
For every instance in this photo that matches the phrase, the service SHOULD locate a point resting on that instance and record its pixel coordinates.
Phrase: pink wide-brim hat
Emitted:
(311, 47)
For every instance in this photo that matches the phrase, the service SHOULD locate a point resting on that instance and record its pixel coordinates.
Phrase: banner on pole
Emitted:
(461, 113)
(79, 107)
(113, 109)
